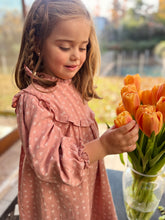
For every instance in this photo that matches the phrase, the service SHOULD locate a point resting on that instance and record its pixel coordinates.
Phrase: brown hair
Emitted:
(42, 17)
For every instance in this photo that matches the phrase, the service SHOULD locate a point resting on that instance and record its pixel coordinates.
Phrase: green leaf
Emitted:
(122, 159)
(135, 161)
(161, 135)
(141, 156)
(142, 141)
(161, 147)
(156, 158)
(149, 147)
(141, 138)
(107, 125)
(157, 167)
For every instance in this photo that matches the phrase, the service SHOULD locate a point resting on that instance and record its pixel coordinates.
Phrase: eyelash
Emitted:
(67, 49)
(64, 48)
(83, 48)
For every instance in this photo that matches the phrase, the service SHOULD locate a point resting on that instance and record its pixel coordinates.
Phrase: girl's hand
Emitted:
(113, 141)
(120, 140)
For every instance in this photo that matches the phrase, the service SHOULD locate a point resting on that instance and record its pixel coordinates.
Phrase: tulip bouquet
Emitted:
(147, 107)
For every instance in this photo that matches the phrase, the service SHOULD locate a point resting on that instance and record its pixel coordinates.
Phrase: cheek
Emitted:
(83, 58)
(53, 55)
(60, 58)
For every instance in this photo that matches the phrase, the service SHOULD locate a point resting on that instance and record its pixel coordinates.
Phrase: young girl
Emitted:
(62, 174)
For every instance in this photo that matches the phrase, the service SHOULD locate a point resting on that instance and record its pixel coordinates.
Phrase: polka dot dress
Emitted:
(56, 181)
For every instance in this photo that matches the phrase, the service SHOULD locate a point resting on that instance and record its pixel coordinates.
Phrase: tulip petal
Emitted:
(122, 119)
(131, 102)
(133, 79)
(160, 106)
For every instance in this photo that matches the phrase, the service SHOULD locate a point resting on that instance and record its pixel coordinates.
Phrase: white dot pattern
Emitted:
(56, 180)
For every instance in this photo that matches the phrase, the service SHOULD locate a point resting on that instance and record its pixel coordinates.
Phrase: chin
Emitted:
(65, 78)
(68, 77)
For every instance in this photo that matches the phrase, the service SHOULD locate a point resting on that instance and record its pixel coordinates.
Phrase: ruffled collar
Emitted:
(42, 75)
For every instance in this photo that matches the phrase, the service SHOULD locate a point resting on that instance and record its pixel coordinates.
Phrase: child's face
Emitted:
(64, 51)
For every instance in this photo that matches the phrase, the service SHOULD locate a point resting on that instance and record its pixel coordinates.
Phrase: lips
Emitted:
(72, 67)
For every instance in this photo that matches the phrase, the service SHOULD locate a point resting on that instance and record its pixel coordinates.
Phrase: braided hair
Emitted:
(40, 21)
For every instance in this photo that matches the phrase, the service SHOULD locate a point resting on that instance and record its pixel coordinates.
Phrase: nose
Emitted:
(75, 55)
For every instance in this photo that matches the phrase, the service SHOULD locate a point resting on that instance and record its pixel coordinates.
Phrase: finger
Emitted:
(132, 141)
(128, 127)
(130, 138)
(113, 127)
(130, 148)
(133, 132)
(135, 128)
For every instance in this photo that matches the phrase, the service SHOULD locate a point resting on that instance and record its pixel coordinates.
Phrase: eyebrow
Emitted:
(71, 41)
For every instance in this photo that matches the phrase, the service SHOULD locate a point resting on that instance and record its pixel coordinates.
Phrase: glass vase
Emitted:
(142, 193)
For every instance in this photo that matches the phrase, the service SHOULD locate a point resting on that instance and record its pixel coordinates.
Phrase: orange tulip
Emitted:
(133, 79)
(140, 94)
(149, 120)
(154, 92)
(146, 97)
(160, 106)
(161, 91)
(122, 119)
(128, 88)
(144, 108)
(120, 108)
(131, 102)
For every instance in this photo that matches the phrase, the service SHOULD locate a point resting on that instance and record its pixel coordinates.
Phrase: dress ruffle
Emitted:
(72, 161)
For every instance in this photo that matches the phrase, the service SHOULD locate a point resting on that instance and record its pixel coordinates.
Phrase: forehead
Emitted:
(77, 29)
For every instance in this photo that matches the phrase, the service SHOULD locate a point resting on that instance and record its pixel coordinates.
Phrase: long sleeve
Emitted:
(51, 154)
(55, 178)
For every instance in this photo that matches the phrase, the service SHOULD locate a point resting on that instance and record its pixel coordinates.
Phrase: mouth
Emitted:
(71, 67)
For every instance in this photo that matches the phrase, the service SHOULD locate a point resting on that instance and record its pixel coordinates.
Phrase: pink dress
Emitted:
(56, 181)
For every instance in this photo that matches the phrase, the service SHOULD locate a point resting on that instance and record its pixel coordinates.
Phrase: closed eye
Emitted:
(82, 49)
(65, 48)
(68, 48)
